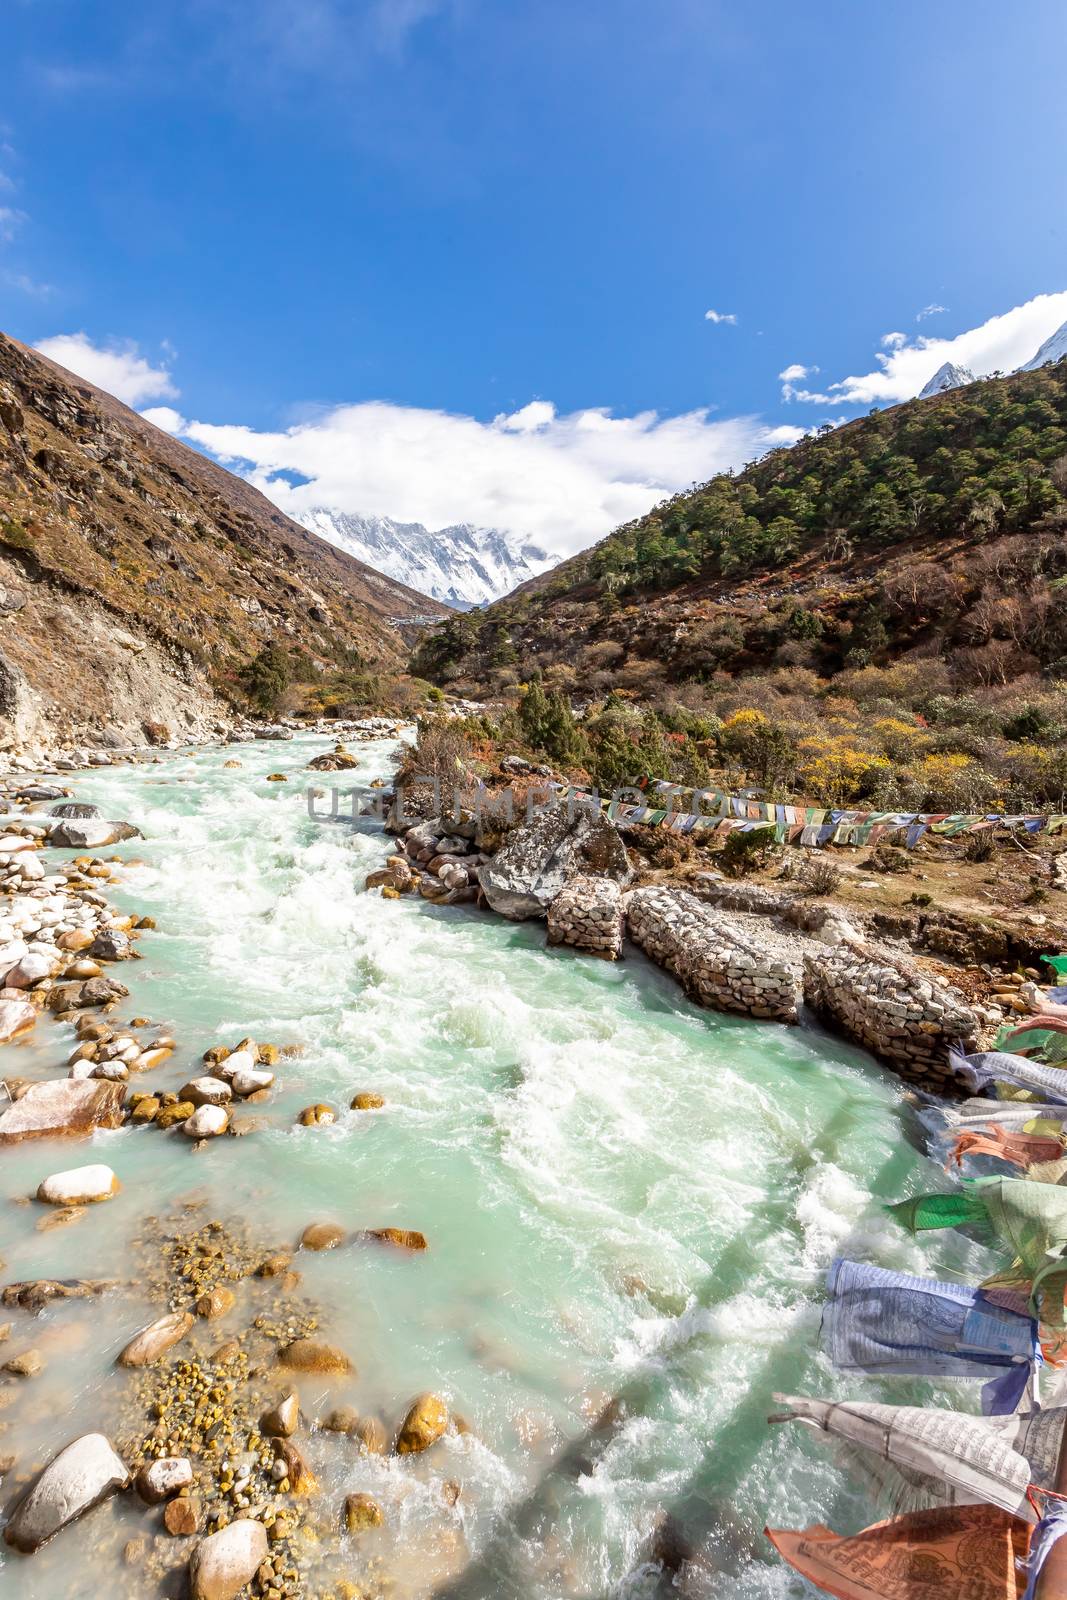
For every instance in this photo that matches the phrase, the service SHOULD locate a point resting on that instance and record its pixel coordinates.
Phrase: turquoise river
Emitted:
(626, 1199)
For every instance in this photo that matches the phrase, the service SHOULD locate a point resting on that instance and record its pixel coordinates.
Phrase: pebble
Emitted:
(282, 1419)
(163, 1478)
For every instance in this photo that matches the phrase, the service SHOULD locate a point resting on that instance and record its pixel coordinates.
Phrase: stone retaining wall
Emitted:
(716, 967)
(587, 914)
(811, 915)
(907, 1020)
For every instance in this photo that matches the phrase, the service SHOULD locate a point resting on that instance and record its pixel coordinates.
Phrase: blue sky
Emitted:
(431, 213)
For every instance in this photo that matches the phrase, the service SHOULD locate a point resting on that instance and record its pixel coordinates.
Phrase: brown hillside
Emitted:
(139, 577)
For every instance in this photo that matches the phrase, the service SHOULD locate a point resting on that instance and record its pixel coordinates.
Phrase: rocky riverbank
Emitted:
(203, 1426)
(733, 947)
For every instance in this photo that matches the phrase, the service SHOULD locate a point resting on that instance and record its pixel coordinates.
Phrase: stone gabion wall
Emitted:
(716, 967)
(753, 897)
(587, 914)
(907, 1020)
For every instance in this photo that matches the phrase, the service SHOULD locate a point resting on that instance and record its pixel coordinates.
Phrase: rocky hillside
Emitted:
(886, 602)
(142, 584)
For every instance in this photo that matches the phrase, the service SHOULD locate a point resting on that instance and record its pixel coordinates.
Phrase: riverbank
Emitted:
(672, 1182)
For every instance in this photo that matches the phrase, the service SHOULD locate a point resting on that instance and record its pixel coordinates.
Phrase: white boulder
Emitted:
(207, 1122)
(79, 1186)
(249, 1080)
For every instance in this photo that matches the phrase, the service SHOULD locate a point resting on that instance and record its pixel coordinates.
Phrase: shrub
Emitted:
(979, 846)
(886, 858)
(763, 747)
(266, 677)
(834, 772)
(743, 853)
(819, 876)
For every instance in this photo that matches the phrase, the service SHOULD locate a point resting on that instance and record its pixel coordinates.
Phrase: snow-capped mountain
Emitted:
(1053, 349)
(947, 377)
(462, 566)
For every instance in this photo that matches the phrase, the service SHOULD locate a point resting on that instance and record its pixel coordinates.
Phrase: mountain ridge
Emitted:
(460, 565)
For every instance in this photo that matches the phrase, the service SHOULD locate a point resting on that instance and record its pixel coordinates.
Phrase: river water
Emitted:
(625, 1197)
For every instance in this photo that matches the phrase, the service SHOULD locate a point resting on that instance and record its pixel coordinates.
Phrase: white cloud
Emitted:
(795, 372)
(10, 222)
(721, 316)
(166, 419)
(27, 285)
(932, 310)
(906, 365)
(118, 368)
(562, 480)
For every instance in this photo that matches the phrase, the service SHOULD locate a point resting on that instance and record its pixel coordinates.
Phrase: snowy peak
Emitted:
(462, 565)
(947, 377)
(1053, 349)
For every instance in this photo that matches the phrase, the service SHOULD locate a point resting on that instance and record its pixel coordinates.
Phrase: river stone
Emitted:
(362, 1511)
(314, 1355)
(215, 1302)
(78, 1187)
(401, 1238)
(321, 1236)
(25, 1365)
(64, 1107)
(29, 970)
(370, 1432)
(206, 1092)
(424, 1424)
(90, 833)
(283, 1419)
(80, 810)
(168, 1116)
(16, 1016)
(298, 1472)
(541, 856)
(207, 1122)
(181, 1517)
(367, 1100)
(316, 1116)
(224, 1562)
(275, 1266)
(156, 1339)
(160, 1479)
(250, 1080)
(342, 1419)
(111, 944)
(78, 1478)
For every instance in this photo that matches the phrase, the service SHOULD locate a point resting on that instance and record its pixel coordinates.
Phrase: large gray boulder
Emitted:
(542, 856)
(90, 833)
(74, 1481)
